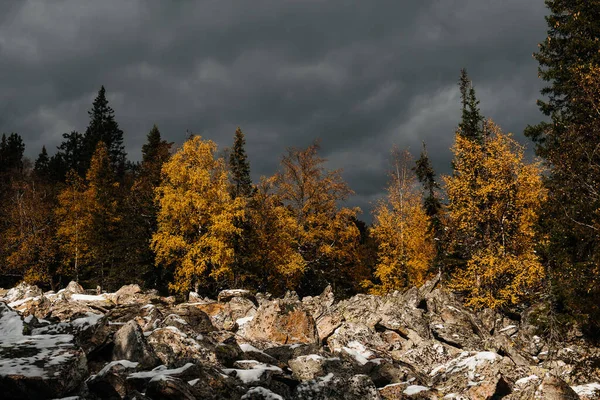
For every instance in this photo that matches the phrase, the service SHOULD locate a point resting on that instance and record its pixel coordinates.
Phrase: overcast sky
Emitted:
(360, 75)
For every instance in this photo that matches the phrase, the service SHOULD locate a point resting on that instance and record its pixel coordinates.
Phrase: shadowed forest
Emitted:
(500, 230)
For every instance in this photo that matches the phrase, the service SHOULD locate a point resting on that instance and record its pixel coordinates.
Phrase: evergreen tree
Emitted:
(41, 168)
(471, 125)
(104, 128)
(239, 167)
(569, 61)
(12, 149)
(70, 154)
(143, 210)
(431, 202)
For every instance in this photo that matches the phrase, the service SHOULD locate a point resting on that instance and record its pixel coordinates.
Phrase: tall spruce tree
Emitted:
(142, 223)
(104, 128)
(240, 167)
(568, 60)
(471, 125)
(70, 155)
(426, 176)
(41, 167)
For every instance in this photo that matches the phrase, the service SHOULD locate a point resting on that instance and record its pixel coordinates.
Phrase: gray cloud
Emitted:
(360, 75)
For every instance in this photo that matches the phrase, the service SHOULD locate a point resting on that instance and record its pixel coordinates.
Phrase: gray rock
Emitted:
(130, 344)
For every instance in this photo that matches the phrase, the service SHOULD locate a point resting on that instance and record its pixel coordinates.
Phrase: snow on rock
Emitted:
(257, 373)
(89, 297)
(590, 390)
(262, 393)
(526, 380)
(466, 361)
(414, 389)
(358, 351)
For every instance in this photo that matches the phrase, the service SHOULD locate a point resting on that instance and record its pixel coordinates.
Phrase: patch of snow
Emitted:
(193, 381)
(248, 347)
(507, 328)
(315, 385)
(439, 326)
(589, 389)
(17, 303)
(526, 380)
(88, 297)
(263, 393)
(147, 306)
(414, 389)
(358, 351)
(313, 357)
(243, 321)
(124, 363)
(467, 361)
(160, 370)
(254, 374)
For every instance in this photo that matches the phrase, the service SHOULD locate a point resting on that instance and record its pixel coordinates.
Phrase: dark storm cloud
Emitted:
(360, 75)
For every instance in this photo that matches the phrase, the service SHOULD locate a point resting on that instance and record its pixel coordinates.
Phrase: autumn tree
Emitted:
(569, 60)
(195, 218)
(494, 201)
(89, 223)
(401, 228)
(74, 221)
(273, 257)
(328, 239)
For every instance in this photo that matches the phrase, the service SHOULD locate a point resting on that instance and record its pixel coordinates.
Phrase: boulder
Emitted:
(282, 322)
(110, 381)
(226, 295)
(170, 388)
(130, 344)
(175, 348)
(37, 366)
(333, 387)
(74, 288)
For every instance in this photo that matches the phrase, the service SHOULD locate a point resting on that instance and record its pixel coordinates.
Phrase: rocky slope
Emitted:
(420, 344)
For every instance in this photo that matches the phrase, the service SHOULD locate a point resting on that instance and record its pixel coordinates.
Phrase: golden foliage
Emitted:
(195, 218)
(73, 223)
(88, 215)
(494, 200)
(29, 234)
(327, 237)
(401, 229)
(275, 250)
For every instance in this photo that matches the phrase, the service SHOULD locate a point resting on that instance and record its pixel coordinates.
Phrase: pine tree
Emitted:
(494, 202)
(239, 167)
(195, 218)
(89, 223)
(569, 61)
(42, 165)
(142, 210)
(402, 230)
(431, 202)
(471, 125)
(103, 201)
(70, 156)
(104, 128)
